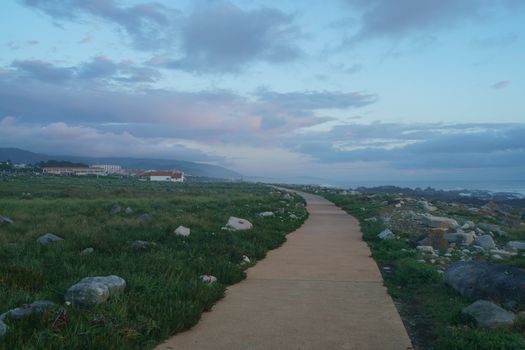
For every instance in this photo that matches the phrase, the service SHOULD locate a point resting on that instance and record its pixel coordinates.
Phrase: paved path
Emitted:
(320, 290)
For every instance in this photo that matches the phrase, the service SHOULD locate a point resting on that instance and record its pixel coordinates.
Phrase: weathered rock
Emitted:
(128, 210)
(182, 231)
(386, 234)
(6, 220)
(266, 214)
(115, 208)
(245, 259)
(425, 249)
(48, 238)
(440, 222)
(505, 254)
(238, 224)
(516, 245)
(468, 225)
(478, 280)
(492, 228)
(26, 310)
(485, 241)
(94, 290)
(208, 279)
(426, 206)
(87, 251)
(145, 218)
(489, 315)
(461, 237)
(293, 216)
(140, 245)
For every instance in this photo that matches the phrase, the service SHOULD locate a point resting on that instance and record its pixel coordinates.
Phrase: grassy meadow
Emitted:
(164, 294)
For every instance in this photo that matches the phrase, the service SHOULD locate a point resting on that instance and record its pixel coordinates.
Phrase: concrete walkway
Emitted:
(320, 290)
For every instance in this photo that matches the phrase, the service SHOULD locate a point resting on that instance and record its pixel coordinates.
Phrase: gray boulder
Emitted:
(440, 222)
(491, 228)
(238, 224)
(94, 290)
(266, 214)
(478, 280)
(48, 238)
(485, 241)
(386, 234)
(3, 329)
(6, 220)
(26, 310)
(145, 218)
(489, 315)
(461, 237)
(516, 245)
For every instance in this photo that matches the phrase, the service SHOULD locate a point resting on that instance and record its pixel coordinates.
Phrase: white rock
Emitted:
(386, 234)
(266, 214)
(238, 224)
(182, 231)
(48, 238)
(425, 249)
(245, 259)
(208, 279)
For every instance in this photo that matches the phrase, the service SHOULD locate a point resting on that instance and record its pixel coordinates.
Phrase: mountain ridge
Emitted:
(17, 155)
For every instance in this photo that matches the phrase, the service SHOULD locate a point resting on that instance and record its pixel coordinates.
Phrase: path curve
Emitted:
(320, 290)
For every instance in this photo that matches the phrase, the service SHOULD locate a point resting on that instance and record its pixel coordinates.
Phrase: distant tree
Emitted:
(61, 163)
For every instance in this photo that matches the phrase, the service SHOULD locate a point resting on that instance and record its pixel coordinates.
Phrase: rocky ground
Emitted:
(454, 266)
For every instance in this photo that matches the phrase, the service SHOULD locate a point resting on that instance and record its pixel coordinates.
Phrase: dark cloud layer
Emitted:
(422, 146)
(395, 19)
(149, 25)
(216, 37)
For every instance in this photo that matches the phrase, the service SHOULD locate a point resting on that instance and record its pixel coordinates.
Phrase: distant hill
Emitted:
(17, 155)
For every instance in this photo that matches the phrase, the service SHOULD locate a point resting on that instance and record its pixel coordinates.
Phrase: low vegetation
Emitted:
(431, 310)
(164, 293)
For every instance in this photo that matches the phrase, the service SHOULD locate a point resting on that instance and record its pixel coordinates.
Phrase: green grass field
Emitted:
(164, 294)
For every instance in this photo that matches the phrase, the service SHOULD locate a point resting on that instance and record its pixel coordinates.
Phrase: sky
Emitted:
(345, 90)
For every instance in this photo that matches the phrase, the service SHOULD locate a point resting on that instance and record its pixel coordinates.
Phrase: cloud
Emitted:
(397, 19)
(149, 25)
(43, 71)
(421, 146)
(222, 37)
(501, 84)
(217, 36)
(57, 137)
(98, 68)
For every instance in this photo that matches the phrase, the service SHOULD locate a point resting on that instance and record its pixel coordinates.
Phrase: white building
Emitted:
(169, 176)
(109, 168)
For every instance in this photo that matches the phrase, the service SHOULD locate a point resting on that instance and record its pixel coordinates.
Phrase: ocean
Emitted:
(514, 186)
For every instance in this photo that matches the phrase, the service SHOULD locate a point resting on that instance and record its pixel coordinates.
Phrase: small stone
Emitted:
(266, 214)
(115, 208)
(6, 220)
(87, 251)
(386, 234)
(293, 216)
(425, 249)
(208, 279)
(48, 238)
(182, 231)
(140, 245)
(516, 245)
(144, 217)
(128, 210)
(245, 259)
(489, 315)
